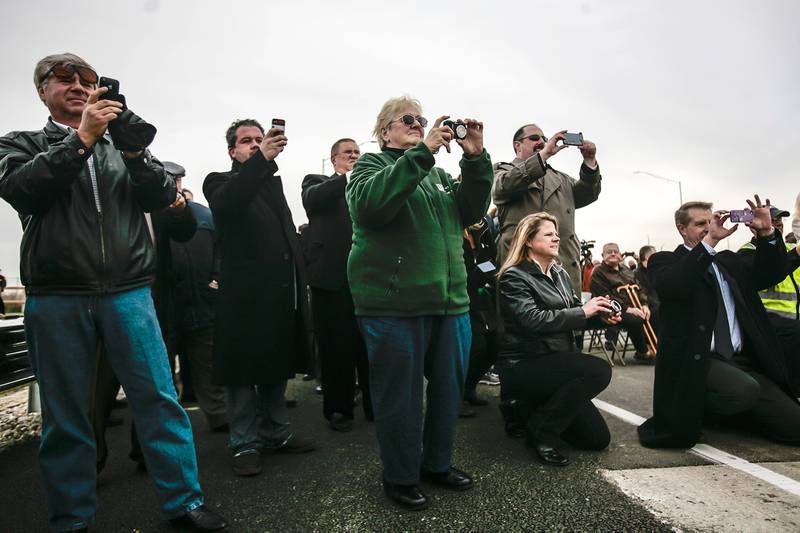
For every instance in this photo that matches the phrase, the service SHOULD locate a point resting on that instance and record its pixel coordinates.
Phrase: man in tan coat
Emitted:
(529, 185)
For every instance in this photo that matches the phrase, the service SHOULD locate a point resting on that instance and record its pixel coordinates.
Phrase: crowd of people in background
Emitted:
(404, 288)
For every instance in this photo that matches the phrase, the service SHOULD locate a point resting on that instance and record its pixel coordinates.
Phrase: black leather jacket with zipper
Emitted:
(539, 313)
(81, 237)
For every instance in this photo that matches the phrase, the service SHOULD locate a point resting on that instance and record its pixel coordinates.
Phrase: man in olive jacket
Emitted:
(528, 184)
(260, 338)
(718, 355)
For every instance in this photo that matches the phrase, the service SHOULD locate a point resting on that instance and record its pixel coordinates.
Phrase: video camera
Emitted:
(586, 250)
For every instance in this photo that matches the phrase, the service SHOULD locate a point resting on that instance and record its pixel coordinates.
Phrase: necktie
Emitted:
(722, 330)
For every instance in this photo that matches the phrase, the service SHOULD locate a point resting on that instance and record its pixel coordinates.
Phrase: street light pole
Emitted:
(664, 178)
(324, 159)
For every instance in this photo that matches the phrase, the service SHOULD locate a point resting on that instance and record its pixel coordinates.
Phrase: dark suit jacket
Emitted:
(259, 337)
(688, 313)
(329, 235)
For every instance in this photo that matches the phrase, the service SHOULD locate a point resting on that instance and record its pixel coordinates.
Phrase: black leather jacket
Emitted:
(539, 313)
(73, 242)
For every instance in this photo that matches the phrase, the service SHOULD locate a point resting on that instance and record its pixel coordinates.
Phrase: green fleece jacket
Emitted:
(408, 219)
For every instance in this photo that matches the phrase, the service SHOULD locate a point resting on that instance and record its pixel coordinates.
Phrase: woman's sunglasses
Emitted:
(409, 119)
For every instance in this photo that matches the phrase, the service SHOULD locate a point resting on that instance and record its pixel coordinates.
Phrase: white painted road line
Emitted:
(622, 414)
(764, 474)
(713, 454)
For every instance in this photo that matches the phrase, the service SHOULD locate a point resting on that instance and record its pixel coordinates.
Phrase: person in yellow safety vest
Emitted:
(781, 301)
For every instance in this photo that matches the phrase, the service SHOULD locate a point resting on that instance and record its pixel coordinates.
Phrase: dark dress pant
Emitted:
(741, 394)
(558, 388)
(342, 352)
(788, 332)
(482, 354)
(633, 325)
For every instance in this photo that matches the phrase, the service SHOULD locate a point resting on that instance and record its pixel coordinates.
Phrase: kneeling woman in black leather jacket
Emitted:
(540, 365)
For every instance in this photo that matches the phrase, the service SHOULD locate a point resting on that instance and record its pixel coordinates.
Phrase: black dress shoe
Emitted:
(409, 496)
(339, 422)
(550, 456)
(453, 479)
(200, 519)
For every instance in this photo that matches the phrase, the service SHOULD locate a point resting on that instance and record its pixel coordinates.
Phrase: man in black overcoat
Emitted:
(718, 355)
(260, 334)
(327, 241)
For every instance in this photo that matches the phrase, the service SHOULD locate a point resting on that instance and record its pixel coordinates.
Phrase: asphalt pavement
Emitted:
(337, 487)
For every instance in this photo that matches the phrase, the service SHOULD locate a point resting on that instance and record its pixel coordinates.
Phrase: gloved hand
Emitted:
(129, 131)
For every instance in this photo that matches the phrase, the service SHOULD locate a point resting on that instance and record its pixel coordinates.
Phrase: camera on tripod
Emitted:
(586, 250)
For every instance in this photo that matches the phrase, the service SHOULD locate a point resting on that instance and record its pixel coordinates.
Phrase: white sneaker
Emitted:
(490, 378)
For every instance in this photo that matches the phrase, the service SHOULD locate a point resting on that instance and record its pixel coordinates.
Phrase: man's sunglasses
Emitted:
(67, 71)
(534, 137)
(408, 120)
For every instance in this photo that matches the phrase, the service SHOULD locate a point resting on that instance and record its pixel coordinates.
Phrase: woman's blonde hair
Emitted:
(797, 207)
(527, 228)
(389, 111)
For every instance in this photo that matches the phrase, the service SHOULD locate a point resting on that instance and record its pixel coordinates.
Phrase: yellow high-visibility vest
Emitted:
(782, 298)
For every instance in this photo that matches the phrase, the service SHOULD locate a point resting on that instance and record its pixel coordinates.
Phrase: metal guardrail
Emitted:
(15, 367)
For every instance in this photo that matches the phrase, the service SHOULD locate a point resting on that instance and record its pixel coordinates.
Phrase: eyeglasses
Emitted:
(534, 137)
(67, 71)
(409, 119)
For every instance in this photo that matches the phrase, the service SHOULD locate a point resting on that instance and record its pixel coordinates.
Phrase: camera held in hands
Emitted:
(616, 308)
(458, 127)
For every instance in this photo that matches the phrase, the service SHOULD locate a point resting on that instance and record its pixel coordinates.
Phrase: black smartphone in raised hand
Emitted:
(113, 89)
(573, 139)
(279, 124)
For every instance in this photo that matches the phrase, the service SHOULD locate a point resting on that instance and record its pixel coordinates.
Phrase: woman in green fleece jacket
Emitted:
(408, 280)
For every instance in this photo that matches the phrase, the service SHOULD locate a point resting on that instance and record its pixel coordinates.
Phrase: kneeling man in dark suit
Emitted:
(718, 354)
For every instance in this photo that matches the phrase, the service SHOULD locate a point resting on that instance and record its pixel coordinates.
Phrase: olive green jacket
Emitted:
(529, 186)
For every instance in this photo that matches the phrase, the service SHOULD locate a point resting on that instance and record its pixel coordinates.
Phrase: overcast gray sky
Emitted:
(703, 92)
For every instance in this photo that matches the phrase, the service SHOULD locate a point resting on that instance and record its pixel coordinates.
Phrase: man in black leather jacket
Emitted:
(87, 264)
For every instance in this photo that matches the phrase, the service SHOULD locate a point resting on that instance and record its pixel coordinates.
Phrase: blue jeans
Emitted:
(62, 334)
(257, 416)
(401, 351)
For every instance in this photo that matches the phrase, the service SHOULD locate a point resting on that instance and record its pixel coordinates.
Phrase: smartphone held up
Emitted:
(741, 215)
(573, 139)
(279, 124)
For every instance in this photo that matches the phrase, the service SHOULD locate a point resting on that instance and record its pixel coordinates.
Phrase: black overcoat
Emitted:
(262, 310)
(688, 313)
